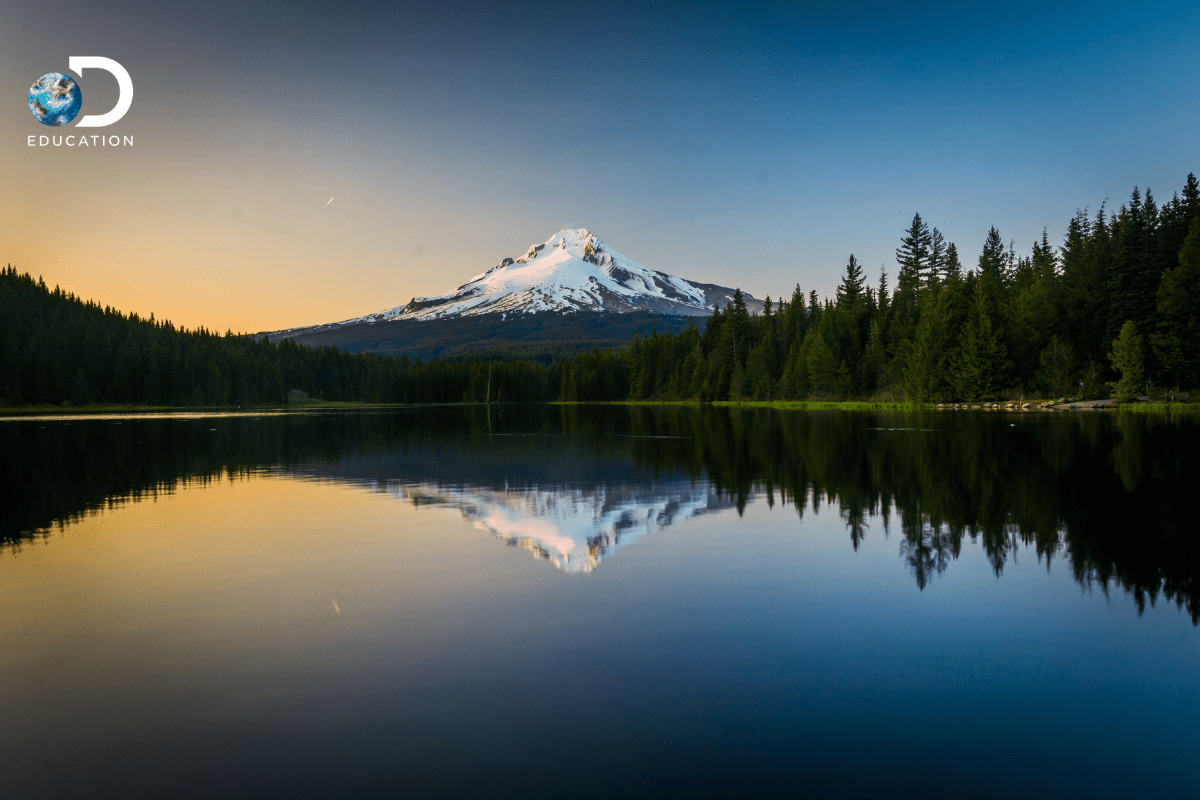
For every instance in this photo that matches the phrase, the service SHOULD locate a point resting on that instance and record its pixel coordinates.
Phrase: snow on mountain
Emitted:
(572, 271)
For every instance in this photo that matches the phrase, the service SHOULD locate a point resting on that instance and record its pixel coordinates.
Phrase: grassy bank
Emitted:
(1157, 408)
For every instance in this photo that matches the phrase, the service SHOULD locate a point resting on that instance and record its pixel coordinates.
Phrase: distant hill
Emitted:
(544, 336)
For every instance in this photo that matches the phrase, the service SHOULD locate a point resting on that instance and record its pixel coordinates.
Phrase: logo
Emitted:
(55, 99)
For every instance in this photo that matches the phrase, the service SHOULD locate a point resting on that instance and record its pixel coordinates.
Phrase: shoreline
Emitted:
(1032, 406)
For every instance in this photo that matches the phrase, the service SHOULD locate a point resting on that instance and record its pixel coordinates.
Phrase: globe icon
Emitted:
(54, 99)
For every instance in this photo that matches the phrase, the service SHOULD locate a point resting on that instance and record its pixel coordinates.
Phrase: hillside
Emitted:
(546, 335)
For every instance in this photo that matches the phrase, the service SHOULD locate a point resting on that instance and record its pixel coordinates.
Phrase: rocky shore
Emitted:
(1031, 405)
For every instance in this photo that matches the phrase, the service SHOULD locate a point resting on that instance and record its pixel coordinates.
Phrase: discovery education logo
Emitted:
(55, 99)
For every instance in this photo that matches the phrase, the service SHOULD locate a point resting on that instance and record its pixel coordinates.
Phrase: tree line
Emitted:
(1115, 308)
(56, 348)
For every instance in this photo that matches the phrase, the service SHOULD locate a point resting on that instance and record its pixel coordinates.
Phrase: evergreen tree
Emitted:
(1128, 359)
(820, 365)
(1045, 259)
(951, 269)
(1030, 315)
(759, 368)
(1057, 373)
(852, 290)
(937, 259)
(926, 373)
(1191, 197)
(983, 360)
(993, 260)
(793, 384)
(1081, 299)
(913, 256)
(873, 367)
(1134, 275)
(1177, 338)
(793, 321)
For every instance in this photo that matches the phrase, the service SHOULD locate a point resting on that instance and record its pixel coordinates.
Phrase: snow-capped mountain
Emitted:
(572, 271)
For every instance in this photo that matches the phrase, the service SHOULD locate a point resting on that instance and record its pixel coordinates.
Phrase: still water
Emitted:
(543, 601)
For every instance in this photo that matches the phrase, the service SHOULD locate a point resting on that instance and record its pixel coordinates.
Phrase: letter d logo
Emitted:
(78, 64)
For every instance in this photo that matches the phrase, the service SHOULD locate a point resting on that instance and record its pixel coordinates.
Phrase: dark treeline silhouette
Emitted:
(54, 347)
(1115, 308)
(1107, 493)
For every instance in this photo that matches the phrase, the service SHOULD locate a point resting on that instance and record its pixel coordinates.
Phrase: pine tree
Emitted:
(1191, 196)
(1057, 374)
(993, 260)
(1128, 359)
(873, 367)
(926, 371)
(951, 267)
(793, 384)
(738, 320)
(1081, 300)
(913, 256)
(737, 385)
(822, 366)
(793, 321)
(937, 259)
(851, 292)
(1177, 338)
(1045, 259)
(1134, 276)
(759, 367)
(983, 360)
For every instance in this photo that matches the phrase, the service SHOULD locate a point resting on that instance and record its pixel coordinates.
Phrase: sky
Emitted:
(750, 145)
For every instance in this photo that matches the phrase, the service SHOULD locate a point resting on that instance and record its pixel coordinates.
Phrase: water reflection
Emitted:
(1107, 493)
(573, 527)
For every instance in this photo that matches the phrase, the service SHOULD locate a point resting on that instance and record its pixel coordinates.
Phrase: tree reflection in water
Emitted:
(1108, 492)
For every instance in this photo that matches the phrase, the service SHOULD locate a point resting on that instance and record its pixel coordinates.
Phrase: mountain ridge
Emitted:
(571, 271)
(572, 290)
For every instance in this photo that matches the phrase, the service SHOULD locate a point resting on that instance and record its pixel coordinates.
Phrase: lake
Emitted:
(524, 601)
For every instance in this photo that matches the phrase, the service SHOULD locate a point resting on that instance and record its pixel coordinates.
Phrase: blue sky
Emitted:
(752, 145)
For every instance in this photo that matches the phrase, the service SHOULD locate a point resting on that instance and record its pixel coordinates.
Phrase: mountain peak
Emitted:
(572, 271)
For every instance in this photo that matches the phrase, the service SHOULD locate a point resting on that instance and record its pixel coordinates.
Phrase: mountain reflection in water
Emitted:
(1106, 492)
(573, 527)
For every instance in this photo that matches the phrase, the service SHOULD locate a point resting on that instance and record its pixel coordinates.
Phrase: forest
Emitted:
(1114, 310)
